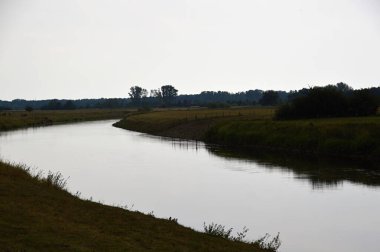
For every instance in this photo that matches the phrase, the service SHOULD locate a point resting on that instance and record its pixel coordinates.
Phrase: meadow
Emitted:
(356, 137)
(189, 123)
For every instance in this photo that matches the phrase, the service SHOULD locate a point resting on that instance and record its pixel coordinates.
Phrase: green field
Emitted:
(357, 137)
(20, 119)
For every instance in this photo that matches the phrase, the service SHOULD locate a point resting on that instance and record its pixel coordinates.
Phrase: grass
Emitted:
(221, 231)
(38, 214)
(10, 120)
(355, 137)
(341, 137)
(190, 123)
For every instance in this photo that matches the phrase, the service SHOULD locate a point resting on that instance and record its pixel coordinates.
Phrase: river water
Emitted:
(313, 208)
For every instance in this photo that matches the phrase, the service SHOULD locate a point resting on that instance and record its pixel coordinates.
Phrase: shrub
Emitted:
(329, 101)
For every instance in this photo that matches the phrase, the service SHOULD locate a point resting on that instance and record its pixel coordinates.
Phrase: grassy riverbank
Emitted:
(10, 120)
(189, 124)
(254, 128)
(37, 214)
(341, 137)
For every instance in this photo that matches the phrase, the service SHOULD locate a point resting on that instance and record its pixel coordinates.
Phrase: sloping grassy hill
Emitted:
(36, 215)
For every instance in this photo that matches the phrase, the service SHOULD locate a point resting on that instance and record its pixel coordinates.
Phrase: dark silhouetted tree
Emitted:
(270, 98)
(330, 101)
(156, 93)
(69, 105)
(362, 102)
(168, 93)
(137, 94)
(343, 87)
(52, 105)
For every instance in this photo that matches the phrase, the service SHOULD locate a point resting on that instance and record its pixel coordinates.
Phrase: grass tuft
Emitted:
(226, 233)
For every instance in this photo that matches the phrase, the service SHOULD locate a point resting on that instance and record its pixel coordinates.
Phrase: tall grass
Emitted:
(52, 179)
(356, 137)
(221, 231)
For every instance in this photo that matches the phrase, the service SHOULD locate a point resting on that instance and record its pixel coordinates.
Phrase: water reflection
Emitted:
(321, 173)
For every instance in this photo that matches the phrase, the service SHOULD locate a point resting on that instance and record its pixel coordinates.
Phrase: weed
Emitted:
(221, 231)
(128, 207)
(241, 235)
(175, 220)
(217, 230)
(56, 180)
(266, 243)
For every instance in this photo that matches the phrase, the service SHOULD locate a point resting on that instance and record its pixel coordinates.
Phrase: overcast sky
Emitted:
(99, 48)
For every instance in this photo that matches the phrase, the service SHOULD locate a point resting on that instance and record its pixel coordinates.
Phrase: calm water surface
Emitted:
(313, 211)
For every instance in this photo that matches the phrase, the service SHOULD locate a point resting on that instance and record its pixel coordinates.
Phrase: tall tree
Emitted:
(270, 98)
(136, 94)
(156, 93)
(168, 93)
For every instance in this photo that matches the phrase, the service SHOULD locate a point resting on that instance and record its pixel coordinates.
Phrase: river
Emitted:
(314, 206)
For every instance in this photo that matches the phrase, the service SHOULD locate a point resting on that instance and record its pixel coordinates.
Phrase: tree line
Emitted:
(338, 100)
(164, 96)
(167, 96)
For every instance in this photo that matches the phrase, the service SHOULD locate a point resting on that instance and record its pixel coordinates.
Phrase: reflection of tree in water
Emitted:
(186, 144)
(321, 173)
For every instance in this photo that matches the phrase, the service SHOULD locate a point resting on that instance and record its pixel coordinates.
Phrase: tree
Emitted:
(156, 93)
(362, 103)
(330, 101)
(343, 87)
(69, 105)
(168, 93)
(136, 94)
(270, 98)
(52, 105)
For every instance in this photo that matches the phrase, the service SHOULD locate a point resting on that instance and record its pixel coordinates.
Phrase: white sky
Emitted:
(99, 48)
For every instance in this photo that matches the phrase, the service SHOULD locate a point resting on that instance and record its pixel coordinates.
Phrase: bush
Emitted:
(329, 101)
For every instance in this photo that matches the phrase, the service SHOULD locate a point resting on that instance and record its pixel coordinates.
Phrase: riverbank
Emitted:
(254, 128)
(10, 120)
(38, 214)
(191, 124)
